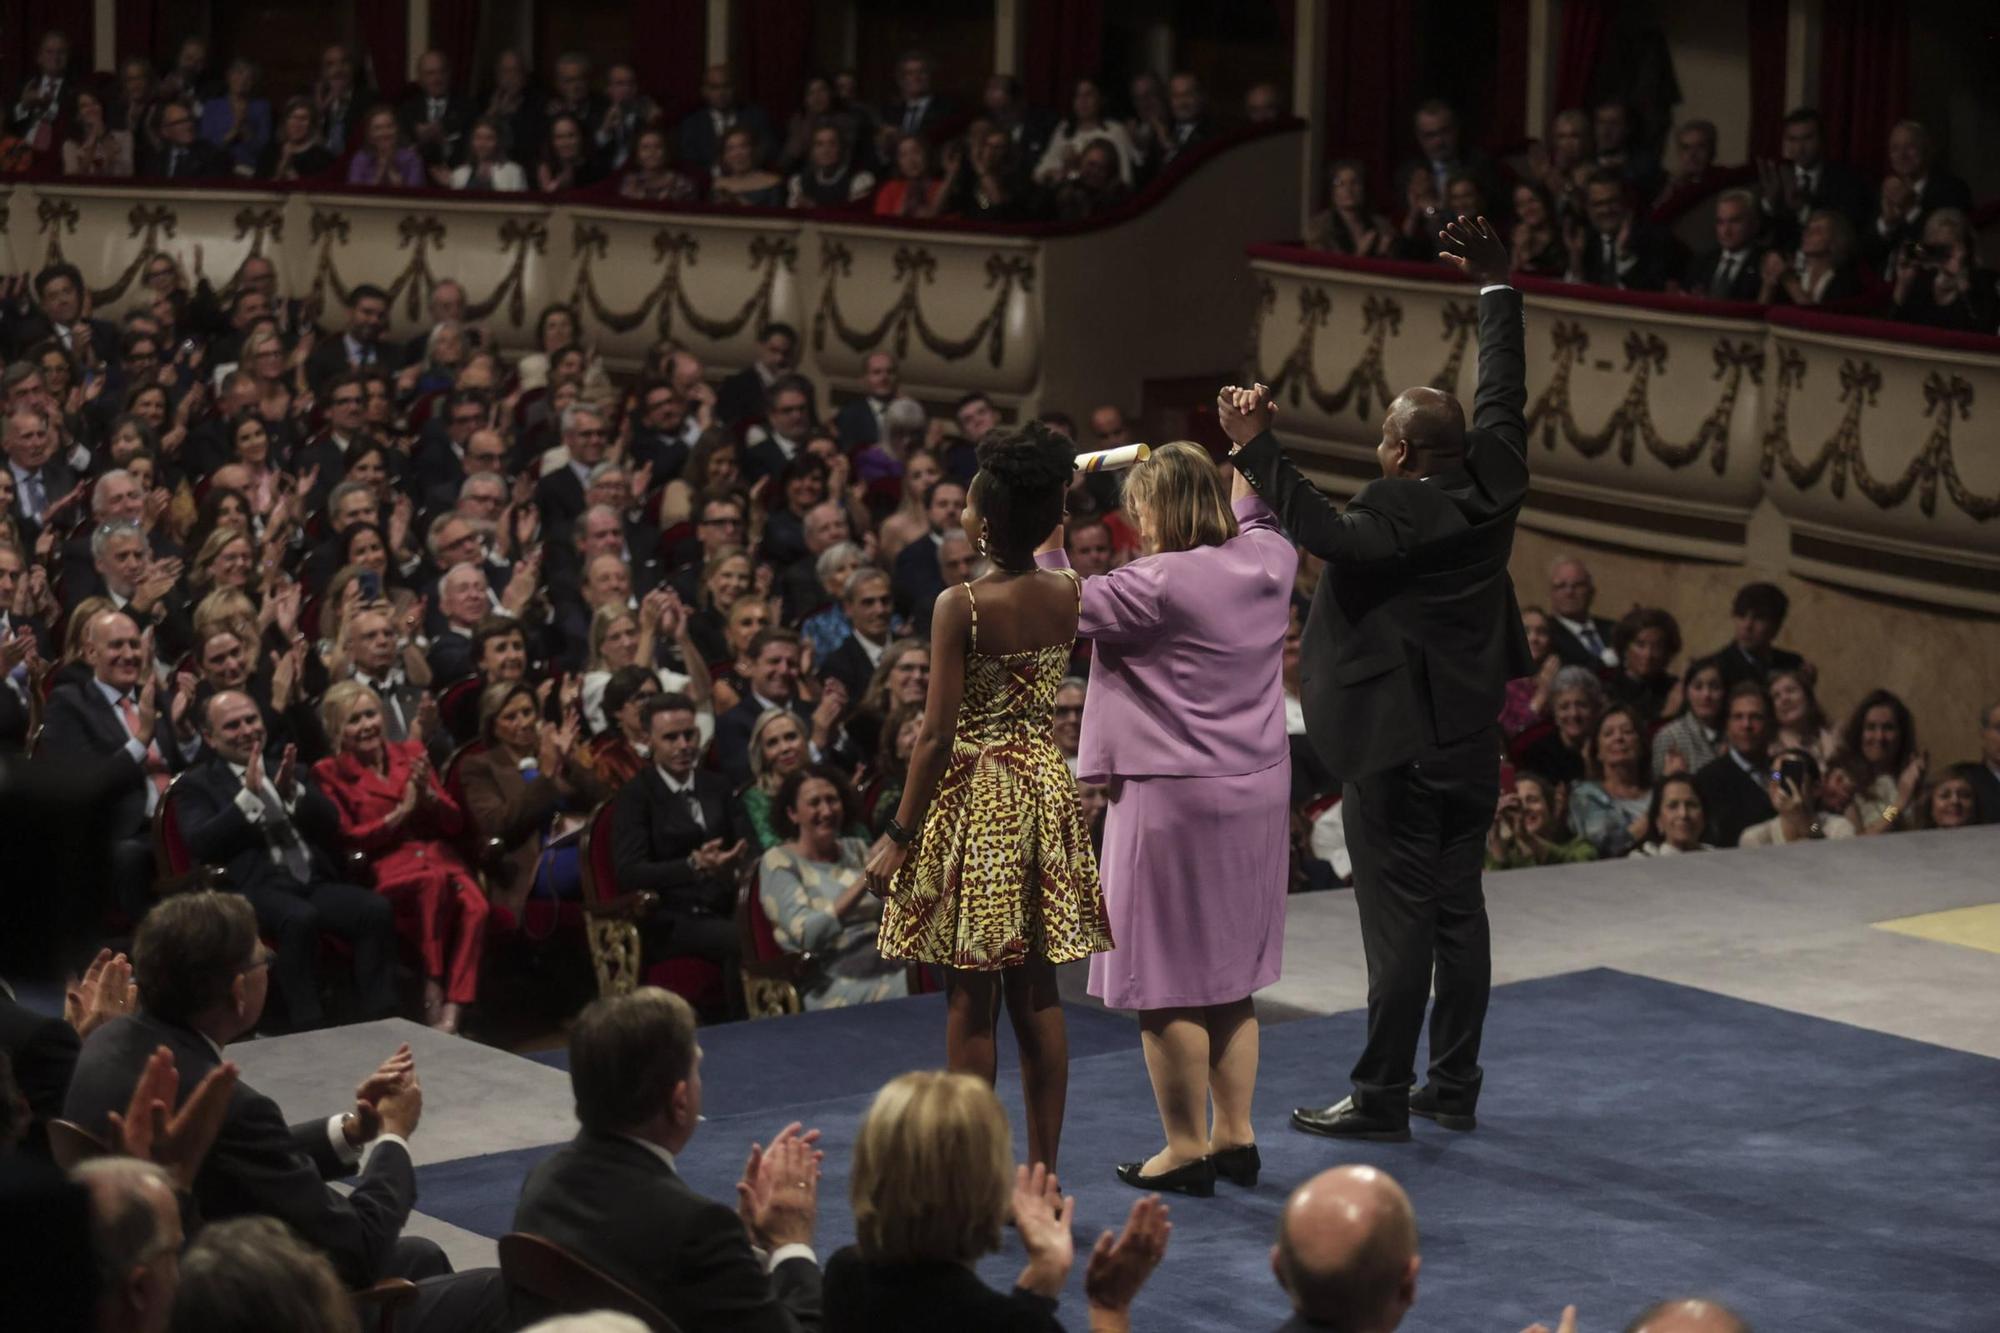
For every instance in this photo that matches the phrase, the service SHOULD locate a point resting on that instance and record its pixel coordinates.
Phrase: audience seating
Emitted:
(558, 1280)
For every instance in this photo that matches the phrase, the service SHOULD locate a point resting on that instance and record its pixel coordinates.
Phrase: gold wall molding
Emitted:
(915, 268)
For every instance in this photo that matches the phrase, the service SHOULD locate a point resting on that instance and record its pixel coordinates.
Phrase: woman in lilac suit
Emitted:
(1185, 720)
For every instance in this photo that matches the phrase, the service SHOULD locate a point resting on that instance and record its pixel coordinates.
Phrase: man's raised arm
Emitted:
(1500, 402)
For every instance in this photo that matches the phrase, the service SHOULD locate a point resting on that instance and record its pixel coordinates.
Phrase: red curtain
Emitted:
(1507, 119)
(382, 29)
(774, 37)
(1370, 68)
(669, 48)
(1767, 23)
(22, 24)
(1581, 44)
(138, 28)
(455, 31)
(1864, 77)
(1061, 42)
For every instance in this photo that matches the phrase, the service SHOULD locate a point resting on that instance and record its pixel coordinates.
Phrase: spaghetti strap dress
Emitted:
(1002, 870)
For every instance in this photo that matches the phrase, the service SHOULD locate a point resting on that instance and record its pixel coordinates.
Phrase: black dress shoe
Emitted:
(1238, 1165)
(1196, 1178)
(1424, 1102)
(1345, 1120)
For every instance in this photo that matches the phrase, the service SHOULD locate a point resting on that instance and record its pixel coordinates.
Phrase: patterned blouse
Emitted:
(798, 895)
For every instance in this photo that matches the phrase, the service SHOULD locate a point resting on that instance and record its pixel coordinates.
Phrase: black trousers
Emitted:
(673, 932)
(474, 1301)
(294, 914)
(1417, 835)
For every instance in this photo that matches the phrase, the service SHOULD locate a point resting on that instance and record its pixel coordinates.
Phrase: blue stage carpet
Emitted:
(1637, 1139)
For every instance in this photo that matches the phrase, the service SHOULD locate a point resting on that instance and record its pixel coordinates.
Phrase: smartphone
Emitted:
(1792, 769)
(371, 586)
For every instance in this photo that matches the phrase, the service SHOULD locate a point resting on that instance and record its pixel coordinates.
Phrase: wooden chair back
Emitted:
(559, 1281)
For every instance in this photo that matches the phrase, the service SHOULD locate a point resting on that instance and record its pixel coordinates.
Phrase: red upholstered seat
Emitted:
(695, 980)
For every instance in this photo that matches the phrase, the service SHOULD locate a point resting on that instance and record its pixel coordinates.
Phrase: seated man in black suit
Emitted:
(773, 678)
(1752, 655)
(1347, 1251)
(1618, 249)
(432, 117)
(202, 977)
(1733, 785)
(1443, 154)
(562, 493)
(359, 346)
(1733, 270)
(1805, 182)
(667, 431)
(182, 154)
(919, 573)
(859, 424)
(699, 135)
(269, 833)
(742, 395)
(59, 293)
(788, 426)
(145, 586)
(801, 584)
(681, 835)
(868, 603)
(1579, 638)
(614, 1198)
(117, 719)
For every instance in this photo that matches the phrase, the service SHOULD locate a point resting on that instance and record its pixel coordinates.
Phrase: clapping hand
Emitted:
(105, 992)
(1042, 1217)
(364, 1122)
(152, 1131)
(1118, 1267)
(778, 1196)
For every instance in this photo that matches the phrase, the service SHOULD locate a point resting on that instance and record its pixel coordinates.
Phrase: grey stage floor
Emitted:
(1792, 927)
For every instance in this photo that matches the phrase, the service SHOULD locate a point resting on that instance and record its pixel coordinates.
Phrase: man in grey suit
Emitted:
(614, 1199)
(1412, 637)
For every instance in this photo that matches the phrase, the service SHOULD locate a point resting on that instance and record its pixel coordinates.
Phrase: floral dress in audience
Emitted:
(798, 897)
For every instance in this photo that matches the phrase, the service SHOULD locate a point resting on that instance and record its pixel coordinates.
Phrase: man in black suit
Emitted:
(378, 660)
(1618, 248)
(1986, 769)
(1442, 154)
(114, 720)
(743, 394)
(47, 102)
(917, 109)
(561, 494)
(59, 293)
(42, 1051)
(1805, 182)
(1916, 186)
(1752, 655)
(788, 425)
(868, 603)
(859, 423)
(918, 575)
(614, 1198)
(667, 431)
(142, 584)
(1413, 636)
(359, 346)
(182, 155)
(202, 980)
(1733, 785)
(1579, 638)
(20, 636)
(1029, 127)
(701, 133)
(41, 478)
(433, 117)
(1347, 1252)
(1187, 103)
(773, 680)
(269, 835)
(680, 834)
(1733, 270)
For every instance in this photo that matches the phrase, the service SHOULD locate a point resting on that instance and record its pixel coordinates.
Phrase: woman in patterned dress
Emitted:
(987, 865)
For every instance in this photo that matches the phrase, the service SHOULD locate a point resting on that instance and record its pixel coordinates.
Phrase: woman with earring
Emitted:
(986, 865)
(1185, 722)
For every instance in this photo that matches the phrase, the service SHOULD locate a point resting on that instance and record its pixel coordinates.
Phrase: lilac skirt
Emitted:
(1194, 873)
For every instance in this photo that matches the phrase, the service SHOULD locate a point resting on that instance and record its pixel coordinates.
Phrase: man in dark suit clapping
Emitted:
(269, 833)
(1733, 270)
(680, 835)
(1413, 635)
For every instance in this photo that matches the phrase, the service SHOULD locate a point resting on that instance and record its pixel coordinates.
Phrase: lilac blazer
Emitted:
(1187, 677)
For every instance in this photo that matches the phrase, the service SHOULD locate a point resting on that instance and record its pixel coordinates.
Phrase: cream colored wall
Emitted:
(1945, 665)
(1709, 43)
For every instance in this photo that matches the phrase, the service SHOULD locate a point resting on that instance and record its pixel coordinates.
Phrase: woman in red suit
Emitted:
(393, 809)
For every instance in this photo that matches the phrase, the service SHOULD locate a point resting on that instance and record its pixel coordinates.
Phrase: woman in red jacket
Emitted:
(393, 808)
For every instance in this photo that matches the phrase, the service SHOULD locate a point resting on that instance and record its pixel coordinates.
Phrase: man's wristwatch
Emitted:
(897, 834)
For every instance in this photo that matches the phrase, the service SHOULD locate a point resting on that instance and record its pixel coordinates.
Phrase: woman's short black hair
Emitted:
(625, 685)
(788, 796)
(1019, 490)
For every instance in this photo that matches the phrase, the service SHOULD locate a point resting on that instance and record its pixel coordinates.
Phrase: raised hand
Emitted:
(1118, 1267)
(1567, 1324)
(176, 1140)
(1475, 249)
(1042, 1217)
(105, 992)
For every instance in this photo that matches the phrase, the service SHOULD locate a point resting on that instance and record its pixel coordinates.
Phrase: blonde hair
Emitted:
(212, 548)
(227, 606)
(766, 779)
(933, 1168)
(601, 621)
(1178, 496)
(341, 700)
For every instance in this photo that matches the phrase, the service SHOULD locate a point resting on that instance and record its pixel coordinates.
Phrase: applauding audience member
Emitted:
(1613, 809)
(1531, 827)
(811, 889)
(1575, 701)
(1733, 784)
(1647, 641)
(614, 1196)
(1758, 612)
(1798, 720)
(1693, 736)
(1882, 732)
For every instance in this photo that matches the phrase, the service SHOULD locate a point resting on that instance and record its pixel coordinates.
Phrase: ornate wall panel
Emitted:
(110, 235)
(708, 280)
(1665, 431)
(960, 310)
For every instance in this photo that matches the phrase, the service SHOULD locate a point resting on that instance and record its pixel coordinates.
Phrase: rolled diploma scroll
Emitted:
(1110, 460)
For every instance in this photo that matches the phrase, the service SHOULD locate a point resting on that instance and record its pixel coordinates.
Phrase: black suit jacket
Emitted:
(1572, 650)
(220, 834)
(700, 146)
(654, 831)
(36, 327)
(1415, 631)
(1653, 250)
(667, 453)
(43, 1053)
(938, 117)
(80, 724)
(200, 160)
(1738, 666)
(1985, 793)
(917, 579)
(457, 122)
(862, 1297)
(739, 396)
(559, 495)
(1744, 284)
(849, 665)
(855, 425)
(1731, 799)
(258, 1166)
(615, 1205)
(329, 359)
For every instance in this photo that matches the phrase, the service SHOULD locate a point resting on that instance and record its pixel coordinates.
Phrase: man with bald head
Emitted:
(1347, 1252)
(1413, 636)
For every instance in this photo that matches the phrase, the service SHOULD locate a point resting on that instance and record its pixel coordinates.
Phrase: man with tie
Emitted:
(1578, 637)
(742, 395)
(918, 111)
(269, 830)
(383, 663)
(143, 585)
(1805, 182)
(667, 430)
(59, 293)
(700, 133)
(20, 636)
(433, 118)
(40, 478)
(48, 97)
(360, 346)
(1617, 248)
(1191, 124)
(679, 834)
(860, 422)
(182, 155)
(1733, 270)
(115, 720)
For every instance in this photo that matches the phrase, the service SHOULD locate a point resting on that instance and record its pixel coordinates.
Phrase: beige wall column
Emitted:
(1802, 29)
(718, 32)
(1007, 32)
(1541, 60)
(1309, 101)
(418, 32)
(104, 53)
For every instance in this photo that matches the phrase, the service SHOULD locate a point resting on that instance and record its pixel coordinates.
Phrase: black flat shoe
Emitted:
(1345, 1120)
(1238, 1165)
(1424, 1102)
(1197, 1178)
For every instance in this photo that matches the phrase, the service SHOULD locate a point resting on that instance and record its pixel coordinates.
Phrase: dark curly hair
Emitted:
(1019, 489)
